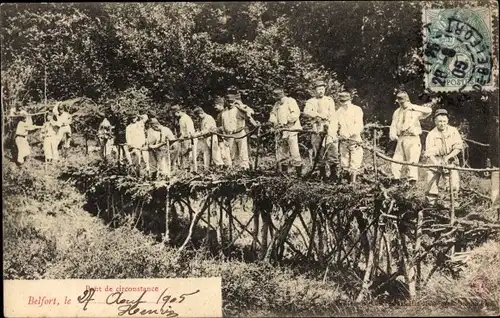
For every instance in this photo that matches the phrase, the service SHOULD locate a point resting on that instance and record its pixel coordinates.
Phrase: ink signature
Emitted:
(132, 307)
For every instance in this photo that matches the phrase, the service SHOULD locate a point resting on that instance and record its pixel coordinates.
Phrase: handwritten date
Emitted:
(132, 307)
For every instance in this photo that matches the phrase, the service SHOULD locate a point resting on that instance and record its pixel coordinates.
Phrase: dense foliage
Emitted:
(190, 52)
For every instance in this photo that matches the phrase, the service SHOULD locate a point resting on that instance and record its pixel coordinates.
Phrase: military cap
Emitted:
(198, 110)
(231, 97)
(176, 108)
(441, 112)
(232, 90)
(154, 122)
(402, 96)
(219, 100)
(319, 83)
(344, 96)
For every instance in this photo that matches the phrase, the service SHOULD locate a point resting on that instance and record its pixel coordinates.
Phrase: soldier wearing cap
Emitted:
(64, 121)
(321, 110)
(189, 147)
(105, 135)
(135, 136)
(225, 153)
(234, 123)
(23, 128)
(350, 118)
(285, 114)
(442, 146)
(209, 145)
(119, 122)
(405, 128)
(157, 136)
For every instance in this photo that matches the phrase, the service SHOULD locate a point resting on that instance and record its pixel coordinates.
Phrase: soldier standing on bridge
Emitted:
(286, 114)
(223, 144)
(64, 120)
(351, 126)
(442, 146)
(321, 109)
(405, 128)
(234, 123)
(188, 147)
(209, 145)
(135, 134)
(157, 136)
(105, 136)
(50, 138)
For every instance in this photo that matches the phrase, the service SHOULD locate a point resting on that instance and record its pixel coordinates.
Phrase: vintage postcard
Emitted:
(269, 159)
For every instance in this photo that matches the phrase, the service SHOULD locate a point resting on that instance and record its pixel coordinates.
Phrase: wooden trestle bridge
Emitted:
(369, 229)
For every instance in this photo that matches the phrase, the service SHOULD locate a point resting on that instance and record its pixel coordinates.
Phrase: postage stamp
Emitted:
(458, 49)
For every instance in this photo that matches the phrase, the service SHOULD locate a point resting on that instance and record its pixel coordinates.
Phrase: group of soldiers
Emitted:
(336, 141)
(56, 132)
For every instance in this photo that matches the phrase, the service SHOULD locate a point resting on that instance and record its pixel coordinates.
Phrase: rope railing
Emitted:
(307, 131)
(378, 126)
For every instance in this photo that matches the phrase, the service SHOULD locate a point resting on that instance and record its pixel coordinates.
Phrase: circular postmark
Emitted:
(480, 285)
(458, 49)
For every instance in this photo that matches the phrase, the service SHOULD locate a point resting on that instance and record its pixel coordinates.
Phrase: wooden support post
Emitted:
(220, 228)
(256, 214)
(211, 147)
(313, 232)
(367, 279)
(266, 220)
(375, 153)
(194, 221)
(208, 224)
(230, 219)
(452, 211)
(169, 162)
(417, 251)
(257, 150)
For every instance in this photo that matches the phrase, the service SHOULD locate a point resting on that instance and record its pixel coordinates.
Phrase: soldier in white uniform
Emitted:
(135, 135)
(285, 114)
(442, 146)
(105, 136)
(209, 145)
(157, 138)
(405, 128)
(189, 146)
(234, 123)
(351, 126)
(64, 120)
(321, 109)
(225, 153)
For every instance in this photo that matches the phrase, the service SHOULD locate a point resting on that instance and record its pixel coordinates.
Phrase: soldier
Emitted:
(405, 128)
(50, 138)
(223, 144)
(64, 120)
(285, 114)
(23, 147)
(442, 146)
(189, 146)
(321, 109)
(118, 121)
(350, 118)
(157, 137)
(234, 123)
(105, 136)
(135, 135)
(209, 145)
